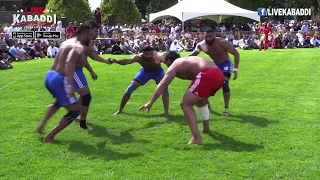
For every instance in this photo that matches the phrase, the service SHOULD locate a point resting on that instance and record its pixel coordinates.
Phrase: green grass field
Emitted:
(272, 133)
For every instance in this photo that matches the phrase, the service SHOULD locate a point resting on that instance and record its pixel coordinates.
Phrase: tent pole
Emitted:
(182, 22)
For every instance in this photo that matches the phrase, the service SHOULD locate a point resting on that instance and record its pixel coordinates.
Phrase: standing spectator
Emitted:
(70, 31)
(98, 17)
(52, 51)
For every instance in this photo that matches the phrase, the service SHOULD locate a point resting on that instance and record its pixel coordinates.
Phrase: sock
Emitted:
(83, 124)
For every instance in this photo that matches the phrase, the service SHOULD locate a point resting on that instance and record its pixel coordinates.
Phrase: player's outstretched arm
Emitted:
(134, 59)
(164, 83)
(94, 56)
(196, 51)
(230, 49)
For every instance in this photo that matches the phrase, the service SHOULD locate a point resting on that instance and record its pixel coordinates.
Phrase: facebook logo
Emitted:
(262, 12)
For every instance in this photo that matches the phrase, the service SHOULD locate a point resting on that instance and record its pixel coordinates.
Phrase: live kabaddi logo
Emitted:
(34, 15)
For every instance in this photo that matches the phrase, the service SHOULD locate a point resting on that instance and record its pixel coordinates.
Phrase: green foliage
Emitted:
(125, 11)
(74, 10)
(160, 5)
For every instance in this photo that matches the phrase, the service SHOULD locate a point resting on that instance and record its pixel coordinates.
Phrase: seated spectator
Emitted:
(188, 45)
(315, 42)
(28, 47)
(4, 64)
(25, 53)
(175, 46)
(4, 53)
(125, 47)
(116, 49)
(38, 49)
(16, 53)
(52, 51)
(136, 47)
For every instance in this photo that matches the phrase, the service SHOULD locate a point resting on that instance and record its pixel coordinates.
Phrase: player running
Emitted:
(206, 78)
(151, 69)
(59, 80)
(218, 49)
(80, 82)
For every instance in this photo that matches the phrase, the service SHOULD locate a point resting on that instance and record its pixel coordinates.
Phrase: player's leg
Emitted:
(141, 78)
(226, 92)
(52, 109)
(187, 103)
(81, 86)
(127, 95)
(73, 112)
(60, 92)
(84, 100)
(266, 44)
(205, 115)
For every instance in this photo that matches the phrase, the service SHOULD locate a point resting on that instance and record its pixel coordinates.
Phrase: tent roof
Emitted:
(189, 9)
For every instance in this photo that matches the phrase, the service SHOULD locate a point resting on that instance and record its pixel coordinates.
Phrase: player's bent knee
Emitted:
(225, 86)
(56, 104)
(71, 116)
(204, 112)
(132, 87)
(227, 75)
(86, 99)
(165, 92)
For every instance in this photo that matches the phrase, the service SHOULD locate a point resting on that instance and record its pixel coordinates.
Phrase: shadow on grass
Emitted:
(99, 151)
(257, 121)
(229, 144)
(124, 137)
(173, 118)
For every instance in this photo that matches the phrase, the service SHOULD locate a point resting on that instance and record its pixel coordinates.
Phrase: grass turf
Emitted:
(272, 132)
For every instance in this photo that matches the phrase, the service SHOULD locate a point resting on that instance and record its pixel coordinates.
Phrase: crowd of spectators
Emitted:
(130, 39)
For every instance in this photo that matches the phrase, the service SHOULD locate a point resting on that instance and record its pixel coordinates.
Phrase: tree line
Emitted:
(132, 11)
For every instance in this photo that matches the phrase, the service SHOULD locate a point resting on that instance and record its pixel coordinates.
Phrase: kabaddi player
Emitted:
(60, 82)
(151, 69)
(206, 78)
(218, 49)
(80, 82)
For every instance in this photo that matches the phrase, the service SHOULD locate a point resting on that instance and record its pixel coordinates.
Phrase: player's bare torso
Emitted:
(149, 65)
(188, 68)
(62, 55)
(217, 51)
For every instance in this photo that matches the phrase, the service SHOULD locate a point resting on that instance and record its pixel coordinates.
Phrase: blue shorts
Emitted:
(143, 77)
(226, 66)
(80, 80)
(57, 85)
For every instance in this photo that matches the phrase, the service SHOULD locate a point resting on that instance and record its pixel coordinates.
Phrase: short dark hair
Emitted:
(93, 25)
(209, 30)
(172, 55)
(82, 29)
(147, 49)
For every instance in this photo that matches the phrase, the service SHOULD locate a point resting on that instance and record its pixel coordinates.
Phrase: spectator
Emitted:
(314, 41)
(52, 51)
(70, 31)
(175, 46)
(25, 53)
(16, 53)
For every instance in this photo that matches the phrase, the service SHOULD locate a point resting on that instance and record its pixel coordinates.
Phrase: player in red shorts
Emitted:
(265, 30)
(206, 78)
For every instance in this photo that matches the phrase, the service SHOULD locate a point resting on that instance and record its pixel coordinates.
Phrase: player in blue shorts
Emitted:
(151, 70)
(59, 80)
(80, 82)
(218, 49)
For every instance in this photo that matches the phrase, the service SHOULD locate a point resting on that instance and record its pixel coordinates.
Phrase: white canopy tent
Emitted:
(216, 10)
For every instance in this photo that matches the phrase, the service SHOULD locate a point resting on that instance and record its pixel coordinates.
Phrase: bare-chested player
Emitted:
(206, 78)
(60, 82)
(151, 69)
(218, 49)
(80, 82)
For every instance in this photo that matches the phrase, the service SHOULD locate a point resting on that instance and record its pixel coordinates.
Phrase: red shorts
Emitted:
(207, 83)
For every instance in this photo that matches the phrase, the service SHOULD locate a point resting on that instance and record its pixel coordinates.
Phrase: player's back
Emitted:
(62, 55)
(189, 67)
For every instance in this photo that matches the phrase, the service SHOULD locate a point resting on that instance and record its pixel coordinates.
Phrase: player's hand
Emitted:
(109, 61)
(235, 75)
(71, 91)
(144, 107)
(94, 75)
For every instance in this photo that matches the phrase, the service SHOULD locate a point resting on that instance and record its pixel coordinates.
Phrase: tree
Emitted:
(159, 5)
(74, 10)
(126, 11)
